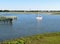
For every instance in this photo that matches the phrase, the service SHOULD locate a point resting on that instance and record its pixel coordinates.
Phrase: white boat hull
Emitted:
(40, 18)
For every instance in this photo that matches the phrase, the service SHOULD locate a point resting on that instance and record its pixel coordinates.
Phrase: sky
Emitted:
(30, 4)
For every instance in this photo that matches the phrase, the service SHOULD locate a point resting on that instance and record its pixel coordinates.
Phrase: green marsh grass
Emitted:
(48, 38)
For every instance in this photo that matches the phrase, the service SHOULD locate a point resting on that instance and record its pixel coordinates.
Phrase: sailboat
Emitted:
(39, 17)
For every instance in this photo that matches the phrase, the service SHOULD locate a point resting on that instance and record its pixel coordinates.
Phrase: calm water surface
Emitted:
(27, 25)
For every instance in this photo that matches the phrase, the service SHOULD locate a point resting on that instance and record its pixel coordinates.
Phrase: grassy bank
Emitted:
(50, 38)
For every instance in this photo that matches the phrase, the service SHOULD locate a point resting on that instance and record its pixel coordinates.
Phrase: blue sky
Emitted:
(30, 4)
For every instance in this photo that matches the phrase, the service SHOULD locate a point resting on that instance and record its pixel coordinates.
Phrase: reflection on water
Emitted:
(6, 22)
(39, 20)
(27, 24)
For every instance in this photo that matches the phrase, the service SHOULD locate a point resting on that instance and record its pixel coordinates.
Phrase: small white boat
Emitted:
(39, 17)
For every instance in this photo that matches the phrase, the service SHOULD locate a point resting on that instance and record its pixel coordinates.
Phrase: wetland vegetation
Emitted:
(47, 38)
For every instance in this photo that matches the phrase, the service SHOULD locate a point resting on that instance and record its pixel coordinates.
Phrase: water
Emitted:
(27, 25)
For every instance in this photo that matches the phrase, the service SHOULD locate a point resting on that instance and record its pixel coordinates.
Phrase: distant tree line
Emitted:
(28, 11)
(4, 10)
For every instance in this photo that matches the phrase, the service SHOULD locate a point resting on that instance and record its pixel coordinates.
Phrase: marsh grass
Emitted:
(48, 38)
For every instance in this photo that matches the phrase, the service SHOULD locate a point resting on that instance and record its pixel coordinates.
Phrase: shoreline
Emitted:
(47, 38)
(32, 12)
